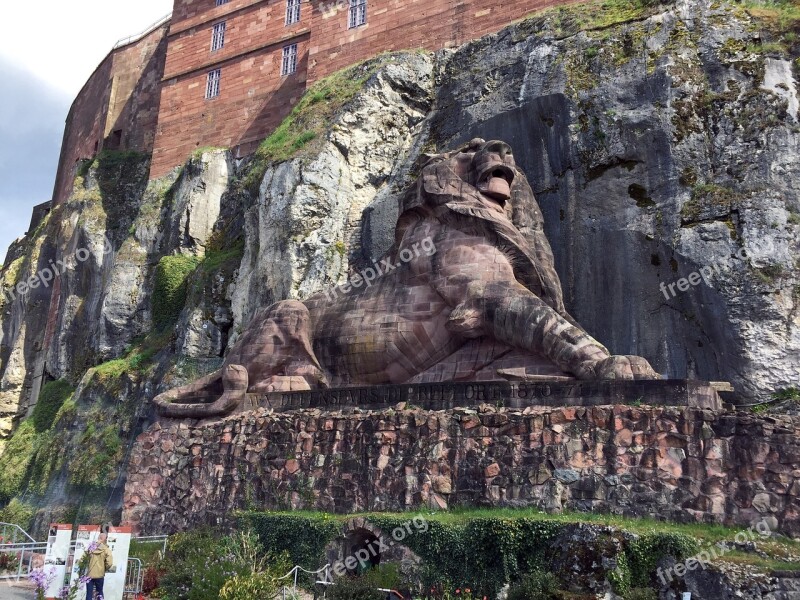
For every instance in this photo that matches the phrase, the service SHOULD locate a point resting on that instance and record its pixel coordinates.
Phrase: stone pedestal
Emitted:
(507, 394)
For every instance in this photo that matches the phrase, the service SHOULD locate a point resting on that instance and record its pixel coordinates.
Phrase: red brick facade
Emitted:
(117, 108)
(253, 95)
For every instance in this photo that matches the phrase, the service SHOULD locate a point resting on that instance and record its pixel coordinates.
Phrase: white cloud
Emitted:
(62, 41)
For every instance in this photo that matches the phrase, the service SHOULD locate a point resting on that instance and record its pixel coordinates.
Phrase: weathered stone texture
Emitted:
(682, 464)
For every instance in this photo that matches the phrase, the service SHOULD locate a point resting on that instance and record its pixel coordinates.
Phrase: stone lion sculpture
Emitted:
(468, 292)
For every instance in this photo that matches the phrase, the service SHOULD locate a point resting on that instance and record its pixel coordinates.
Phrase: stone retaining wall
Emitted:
(683, 464)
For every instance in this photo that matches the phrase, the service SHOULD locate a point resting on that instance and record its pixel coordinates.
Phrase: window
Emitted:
(221, 2)
(358, 13)
(212, 86)
(218, 36)
(289, 64)
(292, 11)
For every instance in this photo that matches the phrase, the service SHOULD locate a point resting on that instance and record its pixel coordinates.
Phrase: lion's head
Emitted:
(479, 184)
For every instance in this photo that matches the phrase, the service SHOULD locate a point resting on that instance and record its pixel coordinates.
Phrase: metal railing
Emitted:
(133, 38)
(290, 593)
(17, 532)
(134, 576)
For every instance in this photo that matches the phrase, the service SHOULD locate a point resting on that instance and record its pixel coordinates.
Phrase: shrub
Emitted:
(253, 586)
(538, 585)
(150, 581)
(644, 553)
(366, 585)
(8, 562)
(52, 396)
(354, 588)
(198, 564)
(18, 513)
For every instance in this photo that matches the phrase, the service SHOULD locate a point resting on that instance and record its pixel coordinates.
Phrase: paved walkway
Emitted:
(16, 591)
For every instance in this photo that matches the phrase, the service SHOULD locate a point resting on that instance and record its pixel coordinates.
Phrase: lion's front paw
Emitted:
(625, 367)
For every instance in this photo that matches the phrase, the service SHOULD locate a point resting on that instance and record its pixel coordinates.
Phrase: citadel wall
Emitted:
(117, 108)
(254, 97)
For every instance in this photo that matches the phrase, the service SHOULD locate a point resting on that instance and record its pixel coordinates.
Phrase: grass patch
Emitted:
(311, 117)
(51, 398)
(568, 20)
(708, 195)
(775, 15)
(138, 357)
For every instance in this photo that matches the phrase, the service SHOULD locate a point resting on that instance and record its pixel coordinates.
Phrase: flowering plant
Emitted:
(42, 580)
(71, 592)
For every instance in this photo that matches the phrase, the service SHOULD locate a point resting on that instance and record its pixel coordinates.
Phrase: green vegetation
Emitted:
(18, 513)
(568, 20)
(206, 565)
(138, 358)
(97, 453)
(709, 195)
(541, 585)
(15, 460)
(769, 273)
(169, 292)
(483, 548)
(776, 15)
(789, 393)
(312, 116)
(366, 586)
(51, 397)
(198, 153)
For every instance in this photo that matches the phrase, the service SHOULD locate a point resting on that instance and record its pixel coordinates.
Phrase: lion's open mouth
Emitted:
(495, 182)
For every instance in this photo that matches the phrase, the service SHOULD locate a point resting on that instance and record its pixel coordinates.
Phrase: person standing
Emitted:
(100, 562)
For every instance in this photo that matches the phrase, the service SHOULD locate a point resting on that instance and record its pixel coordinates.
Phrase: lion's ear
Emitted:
(473, 145)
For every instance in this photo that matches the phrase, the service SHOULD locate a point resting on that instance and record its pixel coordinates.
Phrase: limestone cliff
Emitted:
(661, 141)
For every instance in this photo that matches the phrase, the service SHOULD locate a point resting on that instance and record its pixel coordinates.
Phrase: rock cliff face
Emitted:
(662, 144)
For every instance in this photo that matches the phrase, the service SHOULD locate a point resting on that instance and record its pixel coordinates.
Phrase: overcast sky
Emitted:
(43, 67)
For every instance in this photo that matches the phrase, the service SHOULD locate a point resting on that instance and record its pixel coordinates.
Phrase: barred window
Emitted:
(289, 64)
(218, 36)
(358, 13)
(292, 11)
(212, 85)
(221, 2)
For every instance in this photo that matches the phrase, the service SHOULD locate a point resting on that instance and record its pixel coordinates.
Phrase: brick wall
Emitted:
(122, 95)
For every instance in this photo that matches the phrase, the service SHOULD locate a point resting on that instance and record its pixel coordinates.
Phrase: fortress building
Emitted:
(225, 73)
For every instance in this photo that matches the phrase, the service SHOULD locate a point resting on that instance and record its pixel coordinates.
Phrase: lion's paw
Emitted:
(625, 367)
